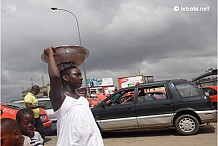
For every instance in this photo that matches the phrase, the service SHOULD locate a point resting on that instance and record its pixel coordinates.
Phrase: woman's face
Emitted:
(74, 78)
(27, 124)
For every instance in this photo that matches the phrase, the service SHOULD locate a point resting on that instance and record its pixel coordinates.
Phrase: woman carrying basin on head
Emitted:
(75, 122)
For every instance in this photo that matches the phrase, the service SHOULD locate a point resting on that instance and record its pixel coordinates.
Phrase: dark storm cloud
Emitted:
(124, 37)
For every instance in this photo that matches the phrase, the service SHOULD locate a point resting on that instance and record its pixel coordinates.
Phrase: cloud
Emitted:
(124, 38)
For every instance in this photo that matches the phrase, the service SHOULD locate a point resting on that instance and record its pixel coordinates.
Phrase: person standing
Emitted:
(76, 125)
(31, 102)
(25, 119)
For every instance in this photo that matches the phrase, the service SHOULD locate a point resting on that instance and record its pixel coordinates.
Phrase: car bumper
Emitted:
(208, 116)
(47, 127)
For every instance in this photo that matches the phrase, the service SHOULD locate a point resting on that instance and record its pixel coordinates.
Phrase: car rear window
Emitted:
(189, 91)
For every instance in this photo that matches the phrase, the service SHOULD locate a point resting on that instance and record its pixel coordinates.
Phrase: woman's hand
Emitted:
(48, 51)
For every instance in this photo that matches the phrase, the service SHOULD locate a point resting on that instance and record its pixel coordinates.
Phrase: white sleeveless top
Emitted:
(76, 125)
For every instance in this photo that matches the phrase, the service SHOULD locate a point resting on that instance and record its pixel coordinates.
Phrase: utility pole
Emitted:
(77, 22)
(139, 71)
(42, 81)
(32, 81)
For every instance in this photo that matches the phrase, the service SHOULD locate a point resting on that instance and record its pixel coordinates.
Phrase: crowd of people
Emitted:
(76, 125)
(21, 132)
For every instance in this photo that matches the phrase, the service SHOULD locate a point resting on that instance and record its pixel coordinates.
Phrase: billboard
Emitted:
(124, 82)
(96, 90)
(109, 90)
(100, 82)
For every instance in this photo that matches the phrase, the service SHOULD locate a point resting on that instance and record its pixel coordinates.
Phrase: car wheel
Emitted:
(187, 125)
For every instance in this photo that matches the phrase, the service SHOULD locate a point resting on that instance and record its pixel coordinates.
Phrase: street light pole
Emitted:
(77, 22)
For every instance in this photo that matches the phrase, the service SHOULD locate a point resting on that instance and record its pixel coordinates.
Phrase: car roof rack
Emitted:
(171, 80)
(162, 81)
(178, 80)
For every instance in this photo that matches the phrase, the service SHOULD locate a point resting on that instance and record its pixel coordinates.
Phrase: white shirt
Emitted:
(26, 141)
(76, 125)
(37, 140)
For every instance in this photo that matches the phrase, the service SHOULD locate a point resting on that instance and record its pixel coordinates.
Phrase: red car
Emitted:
(93, 101)
(9, 110)
(101, 97)
(211, 91)
(96, 100)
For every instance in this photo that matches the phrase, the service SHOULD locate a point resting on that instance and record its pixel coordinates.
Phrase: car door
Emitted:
(153, 108)
(117, 111)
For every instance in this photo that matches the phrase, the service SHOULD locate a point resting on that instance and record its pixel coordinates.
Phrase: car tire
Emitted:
(187, 124)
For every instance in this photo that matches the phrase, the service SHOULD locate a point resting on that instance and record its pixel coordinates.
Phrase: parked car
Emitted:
(211, 91)
(101, 97)
(9, 110)
(46, 101)
(48, 109)
(183, 105)
(93, 101)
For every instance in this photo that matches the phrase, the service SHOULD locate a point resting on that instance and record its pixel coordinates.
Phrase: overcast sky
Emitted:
(124, 37)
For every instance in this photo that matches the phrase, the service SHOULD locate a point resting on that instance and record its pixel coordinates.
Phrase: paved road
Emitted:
(207, 136)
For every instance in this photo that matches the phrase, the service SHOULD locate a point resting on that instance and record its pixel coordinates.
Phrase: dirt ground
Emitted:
(207, 136)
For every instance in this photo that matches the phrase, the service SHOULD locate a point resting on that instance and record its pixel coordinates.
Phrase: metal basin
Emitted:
(74, 54)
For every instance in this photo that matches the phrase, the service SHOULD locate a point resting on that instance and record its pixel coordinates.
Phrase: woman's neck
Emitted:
(76, 96)
(70, 92)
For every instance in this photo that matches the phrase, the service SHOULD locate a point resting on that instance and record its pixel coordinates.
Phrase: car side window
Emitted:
(187, 90)
(121, 98)
(153, 94)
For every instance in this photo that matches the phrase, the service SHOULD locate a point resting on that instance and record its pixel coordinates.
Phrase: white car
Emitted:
(49, 110)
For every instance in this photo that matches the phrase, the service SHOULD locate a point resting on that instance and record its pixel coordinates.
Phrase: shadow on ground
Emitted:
(154, 132)
(47, 139)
